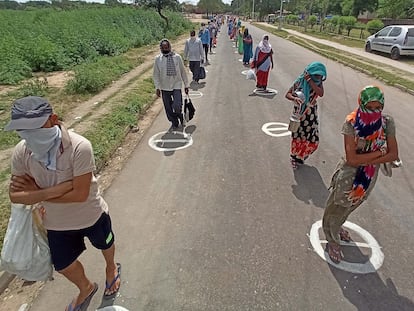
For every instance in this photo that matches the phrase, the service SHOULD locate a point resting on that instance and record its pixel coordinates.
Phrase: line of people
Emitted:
(169, 73)
(369, 137)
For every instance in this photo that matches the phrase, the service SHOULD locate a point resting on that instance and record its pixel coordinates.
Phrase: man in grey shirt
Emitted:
(194, 52)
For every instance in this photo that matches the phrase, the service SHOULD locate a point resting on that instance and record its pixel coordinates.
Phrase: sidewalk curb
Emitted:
(5, 279)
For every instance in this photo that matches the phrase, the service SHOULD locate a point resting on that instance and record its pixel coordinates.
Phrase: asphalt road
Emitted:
(224, 224)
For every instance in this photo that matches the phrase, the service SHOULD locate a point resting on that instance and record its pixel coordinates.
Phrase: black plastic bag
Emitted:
(189, 109)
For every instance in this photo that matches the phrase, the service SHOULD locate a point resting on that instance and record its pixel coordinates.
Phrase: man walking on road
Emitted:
(193, 51)
(204, 36)
(54, 167)
(169, 75)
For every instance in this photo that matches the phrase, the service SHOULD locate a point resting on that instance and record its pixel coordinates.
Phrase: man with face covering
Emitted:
(54, 167)
(193, 51)
(169, 75)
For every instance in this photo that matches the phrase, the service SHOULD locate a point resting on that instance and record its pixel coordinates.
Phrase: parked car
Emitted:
(395, 40)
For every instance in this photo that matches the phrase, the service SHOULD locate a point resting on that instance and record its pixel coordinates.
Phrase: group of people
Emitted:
(369, 137)
(54, 167)
(169, 72)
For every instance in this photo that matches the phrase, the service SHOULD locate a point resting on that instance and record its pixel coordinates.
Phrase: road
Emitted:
(224, 224)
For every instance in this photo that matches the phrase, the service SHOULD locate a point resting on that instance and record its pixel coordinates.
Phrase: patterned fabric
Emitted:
(370, 126)
(306, 140)
(170, 65)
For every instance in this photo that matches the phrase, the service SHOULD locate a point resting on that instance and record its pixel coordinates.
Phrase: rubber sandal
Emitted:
(83, 306)
(334, 252)
(109, 285)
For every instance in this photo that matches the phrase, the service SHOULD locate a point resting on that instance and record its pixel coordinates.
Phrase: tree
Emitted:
(356, 7)
(395, 8)
(159, 5)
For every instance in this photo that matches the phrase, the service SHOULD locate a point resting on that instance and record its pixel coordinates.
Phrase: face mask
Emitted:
(43, 143)
(165, 52)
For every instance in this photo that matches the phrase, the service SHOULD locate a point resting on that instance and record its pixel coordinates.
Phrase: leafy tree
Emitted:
(395, 8)
(312, 20)
(356, 7)
(159, 5)
(349, 23)
(374, 25)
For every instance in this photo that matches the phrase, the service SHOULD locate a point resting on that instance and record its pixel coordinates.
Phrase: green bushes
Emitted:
(374, 25)
(93, 77)
(49, 40)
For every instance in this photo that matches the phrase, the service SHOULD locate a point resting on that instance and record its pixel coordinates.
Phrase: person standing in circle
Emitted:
(305, 140)
(169, 75)
(263, 62)
(247, 47)
(369, 140)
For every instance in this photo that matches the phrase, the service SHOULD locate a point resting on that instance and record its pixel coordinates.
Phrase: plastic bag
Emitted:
(113, 308)
(251, 75)
(25, 249)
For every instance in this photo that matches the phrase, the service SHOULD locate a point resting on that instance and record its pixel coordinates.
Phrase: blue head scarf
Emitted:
(315, 68)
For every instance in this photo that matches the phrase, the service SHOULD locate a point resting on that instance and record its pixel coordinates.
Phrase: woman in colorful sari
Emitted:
(369, 140)
(305, 140)
(262, 62)
(247, 47)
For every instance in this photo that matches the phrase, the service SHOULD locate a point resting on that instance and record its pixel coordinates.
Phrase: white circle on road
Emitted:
(159, 142)
(195, 94)
(244, 72)
(268, 92)
(372, 265)
(276, 129)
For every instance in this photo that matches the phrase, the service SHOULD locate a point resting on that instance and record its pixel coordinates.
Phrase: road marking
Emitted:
(276, 129)
(244, 72)
(270, 92)
(195, 94)
(372, 265)
(158, 142)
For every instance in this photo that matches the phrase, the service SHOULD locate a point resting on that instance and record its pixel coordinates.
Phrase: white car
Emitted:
(395, 40)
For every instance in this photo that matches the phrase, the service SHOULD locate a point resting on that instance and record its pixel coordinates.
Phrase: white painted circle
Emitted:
(236, 52)
(270, 92)
(372, 265)
(276, 129)
(195, 94)
(244, 72)
(241, 59)
(156, 140)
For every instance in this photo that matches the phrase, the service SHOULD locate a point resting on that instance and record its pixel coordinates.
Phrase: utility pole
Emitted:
(253, 11)
(280, 15)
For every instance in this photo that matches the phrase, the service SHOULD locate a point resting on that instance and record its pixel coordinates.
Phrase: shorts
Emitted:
(66, 246)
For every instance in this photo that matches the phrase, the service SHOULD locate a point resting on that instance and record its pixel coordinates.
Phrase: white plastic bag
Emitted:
(25, 249)
(251, 75)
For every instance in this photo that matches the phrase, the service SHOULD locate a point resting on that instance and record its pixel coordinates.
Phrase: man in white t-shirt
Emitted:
(54, 167)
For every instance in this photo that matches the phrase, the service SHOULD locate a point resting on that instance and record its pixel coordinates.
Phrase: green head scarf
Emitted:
(314, 68)
(369, 94)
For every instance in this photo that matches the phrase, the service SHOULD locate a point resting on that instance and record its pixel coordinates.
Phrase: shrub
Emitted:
(374, 26)
(312, 20)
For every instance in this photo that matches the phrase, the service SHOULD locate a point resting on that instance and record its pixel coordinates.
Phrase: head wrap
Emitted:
(369, 126)
(314, 68)
(264, 45)
(170, 61)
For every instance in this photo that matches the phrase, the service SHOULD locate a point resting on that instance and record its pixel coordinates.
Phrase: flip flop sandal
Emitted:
(109, 285)
(335, 253)
(83, 306)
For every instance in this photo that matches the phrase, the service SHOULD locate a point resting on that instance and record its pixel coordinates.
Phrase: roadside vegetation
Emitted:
(95, 45)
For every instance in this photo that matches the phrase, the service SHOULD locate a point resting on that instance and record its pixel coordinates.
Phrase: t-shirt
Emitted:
(76, 159)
